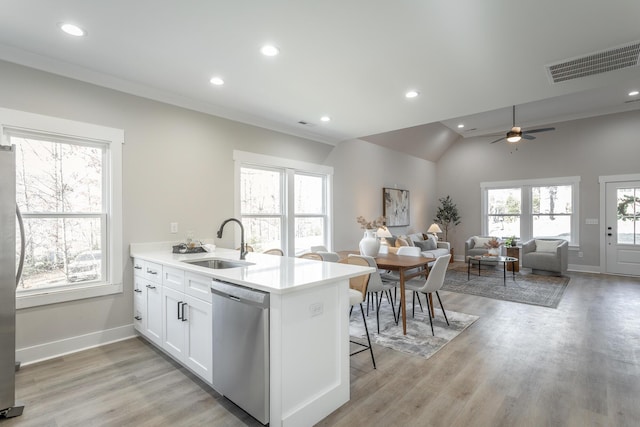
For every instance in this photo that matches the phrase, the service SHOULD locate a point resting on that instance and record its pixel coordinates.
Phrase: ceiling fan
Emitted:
(516, 133)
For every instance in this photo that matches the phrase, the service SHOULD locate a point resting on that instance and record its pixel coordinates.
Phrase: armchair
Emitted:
(546, 255)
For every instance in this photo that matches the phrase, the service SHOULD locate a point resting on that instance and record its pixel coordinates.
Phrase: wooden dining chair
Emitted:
(247, 248)
(377, 288)
(311, 255)
(357, 294)
(274, 251)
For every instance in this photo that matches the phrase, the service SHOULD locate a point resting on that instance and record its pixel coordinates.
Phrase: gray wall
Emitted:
(361, 171)
(177, 167)
(589, 148)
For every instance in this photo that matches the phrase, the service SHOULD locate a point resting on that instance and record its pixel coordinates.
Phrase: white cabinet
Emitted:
(187, 321)
(147, 291)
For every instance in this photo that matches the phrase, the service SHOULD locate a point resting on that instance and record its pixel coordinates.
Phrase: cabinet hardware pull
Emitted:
(138, 318)
(151, 287)
(184, 318)
(151, 271)
(138, 267)
(137, 290)
(178, 309)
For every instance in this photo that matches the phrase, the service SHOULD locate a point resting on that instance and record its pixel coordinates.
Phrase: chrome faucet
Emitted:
(243, 247)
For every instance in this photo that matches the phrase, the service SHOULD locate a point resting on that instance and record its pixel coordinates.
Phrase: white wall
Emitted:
(177, 167)
(361, 170)
(589, 148)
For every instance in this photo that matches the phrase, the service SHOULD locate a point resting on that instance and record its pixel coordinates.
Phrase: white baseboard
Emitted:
(584, 268)
(40, 352)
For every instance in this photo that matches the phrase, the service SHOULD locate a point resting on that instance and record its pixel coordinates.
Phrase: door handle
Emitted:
(184, 318)
(138, 318)
(179, 315)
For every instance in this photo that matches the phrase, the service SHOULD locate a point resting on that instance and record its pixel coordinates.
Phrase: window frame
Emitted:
(112, 140)
(526, 208)
(289, 168)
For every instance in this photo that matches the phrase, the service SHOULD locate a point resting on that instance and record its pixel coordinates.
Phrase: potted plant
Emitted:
(447, 215)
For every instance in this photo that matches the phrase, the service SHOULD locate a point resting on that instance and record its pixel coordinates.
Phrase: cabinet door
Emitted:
(173, 328)
(153, 326)
(139, 304)
(199, 337)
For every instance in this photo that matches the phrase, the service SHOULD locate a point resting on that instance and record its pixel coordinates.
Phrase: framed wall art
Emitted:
(395, 206)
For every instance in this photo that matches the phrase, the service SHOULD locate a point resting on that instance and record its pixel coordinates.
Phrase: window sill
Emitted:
(55, 296)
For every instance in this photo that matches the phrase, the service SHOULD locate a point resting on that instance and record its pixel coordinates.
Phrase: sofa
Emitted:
(546, 256)
(430, 247)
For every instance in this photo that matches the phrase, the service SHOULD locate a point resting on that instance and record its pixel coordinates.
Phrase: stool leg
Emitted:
(364, 320)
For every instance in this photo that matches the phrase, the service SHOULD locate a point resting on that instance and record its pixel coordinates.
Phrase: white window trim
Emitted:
(114, 138)
(525, 209)
(248, 159)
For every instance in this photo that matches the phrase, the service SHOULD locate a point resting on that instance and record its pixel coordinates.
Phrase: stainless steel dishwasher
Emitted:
(241, 347)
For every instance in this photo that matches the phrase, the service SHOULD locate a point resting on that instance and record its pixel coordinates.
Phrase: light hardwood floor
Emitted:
(518, 365)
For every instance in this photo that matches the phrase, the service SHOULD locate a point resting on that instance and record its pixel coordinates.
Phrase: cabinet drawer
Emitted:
(153, 272)
(138, 267)
(173, 278)
(197, 286)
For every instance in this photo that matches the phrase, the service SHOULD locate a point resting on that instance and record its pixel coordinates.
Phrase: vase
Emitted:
(494, 251)
(369, 245)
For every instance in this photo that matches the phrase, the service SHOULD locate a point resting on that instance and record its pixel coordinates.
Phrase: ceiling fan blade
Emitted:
(529, 137)
(538, 130)
(497, 140)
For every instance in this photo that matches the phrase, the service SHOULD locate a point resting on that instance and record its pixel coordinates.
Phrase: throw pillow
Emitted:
(426, 245)
(479, 242)
(401, 242)
(416, 237)
(547, 245)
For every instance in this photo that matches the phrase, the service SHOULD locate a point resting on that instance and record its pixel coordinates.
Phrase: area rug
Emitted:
(527, 288)
(418, 340)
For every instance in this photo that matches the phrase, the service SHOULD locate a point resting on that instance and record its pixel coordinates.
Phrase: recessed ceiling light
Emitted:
(412, 94)
(72, 29)
(460, 126)
(269, 50)
(325, 118)
(216, 81)
(633, 93)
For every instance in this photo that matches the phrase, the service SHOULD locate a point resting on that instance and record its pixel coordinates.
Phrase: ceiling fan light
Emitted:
(514, 138)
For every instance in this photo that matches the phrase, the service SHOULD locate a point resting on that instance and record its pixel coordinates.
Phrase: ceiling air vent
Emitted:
(596, 63)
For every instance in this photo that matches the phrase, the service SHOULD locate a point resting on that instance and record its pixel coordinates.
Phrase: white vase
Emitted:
(494, 251)
(369, 245)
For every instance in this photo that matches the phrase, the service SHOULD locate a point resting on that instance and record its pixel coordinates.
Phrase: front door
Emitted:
(622, 227)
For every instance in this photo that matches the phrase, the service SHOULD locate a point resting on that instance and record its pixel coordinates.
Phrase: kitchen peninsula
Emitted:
(308, 327)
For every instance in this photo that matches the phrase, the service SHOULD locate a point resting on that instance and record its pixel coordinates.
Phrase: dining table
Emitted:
(400, 263)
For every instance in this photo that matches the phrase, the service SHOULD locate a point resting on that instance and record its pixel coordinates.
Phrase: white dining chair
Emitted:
(329, 256)
(434, 282)
(318, 248)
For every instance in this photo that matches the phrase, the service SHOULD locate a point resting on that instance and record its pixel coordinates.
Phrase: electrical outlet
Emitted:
(174, 227)
(580, 254)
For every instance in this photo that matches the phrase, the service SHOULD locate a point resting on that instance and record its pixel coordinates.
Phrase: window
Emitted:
(532, 208)
(628, 200)
(283, 203)
(68, 183)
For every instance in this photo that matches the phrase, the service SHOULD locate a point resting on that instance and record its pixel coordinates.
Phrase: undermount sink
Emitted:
(218, 264)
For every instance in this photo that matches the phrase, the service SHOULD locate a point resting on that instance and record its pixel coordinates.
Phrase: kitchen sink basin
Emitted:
(218, 264)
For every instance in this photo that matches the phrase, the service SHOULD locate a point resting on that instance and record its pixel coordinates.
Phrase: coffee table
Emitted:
(492, 259)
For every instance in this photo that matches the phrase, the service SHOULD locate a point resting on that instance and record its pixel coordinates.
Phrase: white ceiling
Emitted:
(352, 60)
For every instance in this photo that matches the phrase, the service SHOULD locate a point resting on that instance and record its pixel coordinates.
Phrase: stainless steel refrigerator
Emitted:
(8, 282)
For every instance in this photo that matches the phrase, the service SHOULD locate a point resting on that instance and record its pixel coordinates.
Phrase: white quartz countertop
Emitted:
(269, 273)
